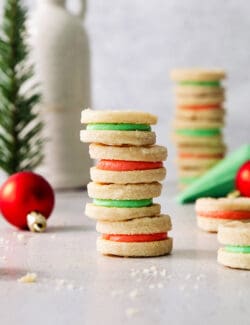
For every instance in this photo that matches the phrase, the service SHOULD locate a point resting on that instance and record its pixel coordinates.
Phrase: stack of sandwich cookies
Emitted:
(211, 212)
(235, 236)
(124, 182)
(199, 118)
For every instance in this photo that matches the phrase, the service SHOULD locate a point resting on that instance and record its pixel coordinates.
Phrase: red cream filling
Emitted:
(200, 107)
(124, 165)
(197, 155)
(234, 215)
(135, 238)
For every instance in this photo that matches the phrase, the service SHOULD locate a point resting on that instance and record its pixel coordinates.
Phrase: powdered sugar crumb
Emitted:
(130, 312)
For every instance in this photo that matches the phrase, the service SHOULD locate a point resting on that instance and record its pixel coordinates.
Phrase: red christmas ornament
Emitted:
(26, 201)
(243, 179)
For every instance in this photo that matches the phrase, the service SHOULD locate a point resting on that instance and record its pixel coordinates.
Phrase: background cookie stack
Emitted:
(199, 117)
(124, 183)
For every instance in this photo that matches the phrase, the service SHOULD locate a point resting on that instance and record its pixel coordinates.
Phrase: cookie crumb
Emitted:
(20, 237)
(28, 278)
(133, 293)
(163, 273)
(130, 312)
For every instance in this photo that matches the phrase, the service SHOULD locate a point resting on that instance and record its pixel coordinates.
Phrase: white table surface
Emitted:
(76, 285)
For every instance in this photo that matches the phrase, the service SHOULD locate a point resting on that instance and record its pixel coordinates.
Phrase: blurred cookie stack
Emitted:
(199, 118)
(124, 182)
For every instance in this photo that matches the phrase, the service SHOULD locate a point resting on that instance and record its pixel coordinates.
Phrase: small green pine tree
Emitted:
(20, 127)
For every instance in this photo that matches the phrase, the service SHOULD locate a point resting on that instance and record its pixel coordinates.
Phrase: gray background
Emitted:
(135, 43)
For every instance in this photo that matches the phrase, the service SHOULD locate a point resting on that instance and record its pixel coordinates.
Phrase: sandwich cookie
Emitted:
(198, 87)
(198, 132)
(118, 127)
(122, 202)
(141, 237)
(235, 236)
(200, 112)
(124, 165)
(212, 212)
(199, 156)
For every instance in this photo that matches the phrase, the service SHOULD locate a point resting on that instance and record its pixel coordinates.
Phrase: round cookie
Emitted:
(124, 191)
(118, 214)
(137, 249)
(135, 238)
(236, 236)
(197, 74)
(199, 156)
(198, 91)
(118, 138)
(213, 212)
(131, 153)
(201, 113)
(127, 177)
(93, 116)
(147, 225)
(200, 100)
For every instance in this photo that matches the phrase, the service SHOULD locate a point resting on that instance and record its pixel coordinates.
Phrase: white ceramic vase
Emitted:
(60, 52)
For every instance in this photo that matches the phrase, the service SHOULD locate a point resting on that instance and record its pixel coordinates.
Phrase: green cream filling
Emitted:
(198, 132)
(238, 249)
(118, 127)
(123, 203)
(200, 83)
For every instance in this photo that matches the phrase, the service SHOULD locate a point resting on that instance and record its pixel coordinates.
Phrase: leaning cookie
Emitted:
(213, 212)
(235, 236)
(118, 127)
(135, 238)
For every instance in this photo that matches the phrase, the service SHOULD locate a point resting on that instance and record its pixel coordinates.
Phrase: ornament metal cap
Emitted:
(36, 222)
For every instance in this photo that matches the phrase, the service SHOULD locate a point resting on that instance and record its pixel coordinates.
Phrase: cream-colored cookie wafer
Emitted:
(124, 191)
(109, 116)
(202, 150)
(187, 172)
(234, 233)
(197, 74)
(131, 153)
(200, 163)
(118, 214)
(189, 140)
(223, 204)
(193, 125)
(138, 249)
(127, 177)
(204, 114)
(210, 224)
(199, 100)
(234, 260)
(148, 225)
(198, 91)
(118, 138)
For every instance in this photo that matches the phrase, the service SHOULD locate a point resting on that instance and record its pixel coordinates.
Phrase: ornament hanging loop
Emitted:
(36, 222)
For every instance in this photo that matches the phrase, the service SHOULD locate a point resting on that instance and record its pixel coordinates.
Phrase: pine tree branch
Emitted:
(20, 128)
